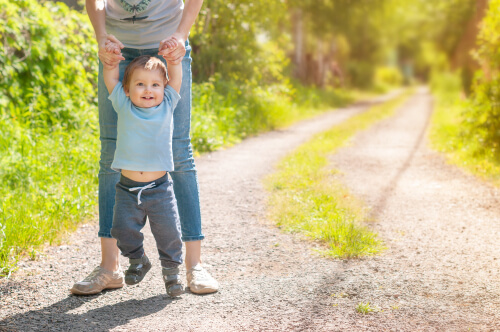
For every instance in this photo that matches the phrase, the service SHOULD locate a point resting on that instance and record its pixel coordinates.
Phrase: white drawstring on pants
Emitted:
(148, 186)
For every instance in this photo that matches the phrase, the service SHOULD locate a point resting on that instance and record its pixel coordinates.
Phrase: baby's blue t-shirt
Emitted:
(144, 139)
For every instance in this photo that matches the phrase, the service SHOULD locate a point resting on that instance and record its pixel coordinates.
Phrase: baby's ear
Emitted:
(125, 89)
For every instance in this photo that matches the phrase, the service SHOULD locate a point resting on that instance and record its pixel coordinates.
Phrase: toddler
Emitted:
(144, 103)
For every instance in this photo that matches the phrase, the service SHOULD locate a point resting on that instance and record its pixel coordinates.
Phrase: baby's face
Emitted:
(146, 88)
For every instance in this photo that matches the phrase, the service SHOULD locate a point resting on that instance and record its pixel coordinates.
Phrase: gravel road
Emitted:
(439, 273)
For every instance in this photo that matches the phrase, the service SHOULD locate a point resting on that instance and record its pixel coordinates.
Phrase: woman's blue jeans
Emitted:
(184, 176)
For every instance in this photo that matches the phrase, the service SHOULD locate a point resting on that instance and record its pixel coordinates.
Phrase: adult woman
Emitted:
(141, 27)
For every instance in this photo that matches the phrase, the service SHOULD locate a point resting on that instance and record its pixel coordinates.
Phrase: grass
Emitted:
(447, 132)
(306, 198)
(366, 308)
(49, 185)
(226, 112)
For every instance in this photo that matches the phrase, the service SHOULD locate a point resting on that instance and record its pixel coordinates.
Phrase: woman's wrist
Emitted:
(180, 36)
(101, 40)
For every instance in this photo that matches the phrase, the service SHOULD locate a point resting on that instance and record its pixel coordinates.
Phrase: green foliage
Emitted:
(49, 186)
(469, 130)
(453, 130)
(47, 53)
(387, 78)
(48, 144)
(233, 40)
(482, 117)
(445, 133)
(224, 112)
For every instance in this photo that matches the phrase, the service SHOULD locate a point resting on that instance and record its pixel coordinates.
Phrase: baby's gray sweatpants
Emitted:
(136, 201)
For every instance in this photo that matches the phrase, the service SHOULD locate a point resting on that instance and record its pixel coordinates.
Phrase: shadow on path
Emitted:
(56, 317)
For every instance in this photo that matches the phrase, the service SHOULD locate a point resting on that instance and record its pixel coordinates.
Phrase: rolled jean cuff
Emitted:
(192, 238)
(106, 235)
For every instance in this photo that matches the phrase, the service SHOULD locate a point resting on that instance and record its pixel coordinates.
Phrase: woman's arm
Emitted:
(189, 14)
(97, 16)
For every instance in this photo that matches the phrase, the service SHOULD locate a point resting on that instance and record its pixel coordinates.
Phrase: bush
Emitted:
(47, 74)
(387, 77)
(482, 114)
(48, 144)
(224, 112)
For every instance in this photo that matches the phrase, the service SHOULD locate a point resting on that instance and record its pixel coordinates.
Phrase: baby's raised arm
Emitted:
(111, 74)
(174, 70)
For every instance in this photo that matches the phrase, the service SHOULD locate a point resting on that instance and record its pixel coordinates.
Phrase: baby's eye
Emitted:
(156, 85)
(140, 84)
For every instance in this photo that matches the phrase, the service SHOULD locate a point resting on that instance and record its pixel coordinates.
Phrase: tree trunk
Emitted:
(298, 40)
(462, 57)
(321, 65)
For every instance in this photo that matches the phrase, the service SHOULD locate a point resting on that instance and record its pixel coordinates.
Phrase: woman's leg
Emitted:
(107, 177)
(186, 186)
(109, 254)
(193, 254)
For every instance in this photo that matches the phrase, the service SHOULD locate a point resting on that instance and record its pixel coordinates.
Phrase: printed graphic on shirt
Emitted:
(135, 9)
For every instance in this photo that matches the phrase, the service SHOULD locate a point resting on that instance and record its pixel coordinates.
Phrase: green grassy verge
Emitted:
(226, 112)
(49, 185)
(307, 199)
(449, 134)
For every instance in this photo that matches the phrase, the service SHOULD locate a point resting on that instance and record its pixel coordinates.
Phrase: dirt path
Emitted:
(440, 271)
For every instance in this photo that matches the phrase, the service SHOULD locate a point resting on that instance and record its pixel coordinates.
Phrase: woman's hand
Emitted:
(171, 54)
(110, 56)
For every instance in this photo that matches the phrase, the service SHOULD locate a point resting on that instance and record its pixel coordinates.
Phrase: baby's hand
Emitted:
(112, 47)
(170, 44)
(110, 53)
(172, 49)
(167, 46)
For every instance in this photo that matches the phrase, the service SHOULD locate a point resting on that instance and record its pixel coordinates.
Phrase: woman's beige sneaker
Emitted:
(200, 281)
(97, 281)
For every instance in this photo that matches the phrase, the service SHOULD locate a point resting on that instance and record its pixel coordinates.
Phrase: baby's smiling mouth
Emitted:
(147, 98)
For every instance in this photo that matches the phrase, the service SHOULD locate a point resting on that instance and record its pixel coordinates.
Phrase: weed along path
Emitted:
(440, 271)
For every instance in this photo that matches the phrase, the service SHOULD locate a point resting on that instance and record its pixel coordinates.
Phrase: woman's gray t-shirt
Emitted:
(142, 24)
(144, 138)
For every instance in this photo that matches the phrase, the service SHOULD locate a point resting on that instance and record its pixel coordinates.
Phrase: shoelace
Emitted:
(148, 186)
(92, 275)
(200, 274)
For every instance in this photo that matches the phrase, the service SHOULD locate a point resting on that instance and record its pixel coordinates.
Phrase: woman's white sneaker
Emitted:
(200, 281)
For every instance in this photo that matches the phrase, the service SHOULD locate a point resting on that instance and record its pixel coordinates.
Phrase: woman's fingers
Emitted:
(173, 54)
(110, 58)
(114, 40)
